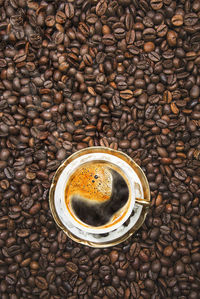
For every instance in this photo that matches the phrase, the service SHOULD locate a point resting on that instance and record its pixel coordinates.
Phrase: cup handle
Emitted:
(142, 202)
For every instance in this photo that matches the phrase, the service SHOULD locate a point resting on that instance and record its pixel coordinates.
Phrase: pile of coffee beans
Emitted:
(123, 74)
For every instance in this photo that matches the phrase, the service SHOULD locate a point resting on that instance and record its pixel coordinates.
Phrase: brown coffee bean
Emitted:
(180, 174)
(101, 7)
(41, 282)
(91, 18)
(4, 184)
(27, 203)
(124, 143)
(60, 17)
(35, 208)
(10, 279)
(22, 233)
(50, 21)
(111, 292)
(135, 290)
(130, 37)
(156, 266)
(161, 30)
(154, 56)
(58, 38)
(179, 267)
(119, 33)
(25, 189)
(154, 233)
(148, 22)
(126, 94)
(82, 289)
(52, 165)
(195, 91)
(108, 40)
(114, 256)
(168, 251)
(129, 21)
(71, 267)
(84, 29)
(149, 34)
(196, 257)
(19, 57)
(149, 47)
(177, 20)
(190, 19)
(87, 59)
(174, 108)
(69, 10)
(149, 285)
(172, 38)
(167, 96)
(156, 4)
(149, 112)
(3, 63)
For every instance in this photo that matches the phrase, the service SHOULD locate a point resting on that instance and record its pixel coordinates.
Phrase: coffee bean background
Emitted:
(122, 74)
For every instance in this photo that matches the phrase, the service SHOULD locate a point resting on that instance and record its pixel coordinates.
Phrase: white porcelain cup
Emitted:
(66, 214)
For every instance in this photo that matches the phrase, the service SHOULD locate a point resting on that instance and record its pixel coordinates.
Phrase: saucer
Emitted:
(93, 237)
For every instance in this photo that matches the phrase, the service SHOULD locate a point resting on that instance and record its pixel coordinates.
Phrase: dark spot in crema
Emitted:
(99, 214)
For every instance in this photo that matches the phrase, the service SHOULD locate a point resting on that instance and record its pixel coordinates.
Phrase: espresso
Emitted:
(97, 193)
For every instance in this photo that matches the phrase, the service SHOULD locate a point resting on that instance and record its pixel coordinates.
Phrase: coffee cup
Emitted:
(95, 192)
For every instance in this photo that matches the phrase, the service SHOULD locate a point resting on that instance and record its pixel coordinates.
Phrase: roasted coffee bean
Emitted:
(154, 56)
(130, 37)
(161, 30)
(172, 38)
(156, 266)
(111, 292)
(108, 40)
(135, 290)
(195, 92)
(69, 10)
(156, 4)
(129, 21)
(150, 112)
(82, 289)
(101, 8)
(41, 282)
(87, 59)
(52, 165)
(119, 33)
(180, 174)
(126, 94)
(177, 20)
(149, 47)
(60, 17)
(190, 19)
(71, 267)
